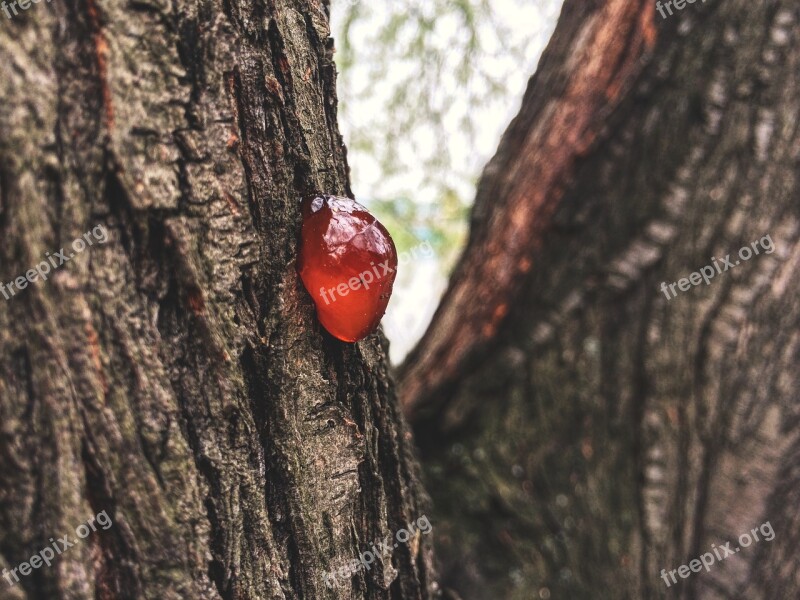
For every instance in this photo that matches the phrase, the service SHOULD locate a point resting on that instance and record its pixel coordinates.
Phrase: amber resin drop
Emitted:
(348, 264)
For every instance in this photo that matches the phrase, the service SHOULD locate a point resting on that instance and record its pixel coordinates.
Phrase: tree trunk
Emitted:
(580, 431)
(175, 376)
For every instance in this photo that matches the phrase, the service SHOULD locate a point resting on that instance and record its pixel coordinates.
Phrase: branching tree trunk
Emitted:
(580, 431)
(175, 376)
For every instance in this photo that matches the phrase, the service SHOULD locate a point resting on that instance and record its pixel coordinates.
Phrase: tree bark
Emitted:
(581, 432)
(175, 376)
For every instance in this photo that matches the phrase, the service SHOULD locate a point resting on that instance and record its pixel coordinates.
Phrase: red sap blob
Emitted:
(348, 264)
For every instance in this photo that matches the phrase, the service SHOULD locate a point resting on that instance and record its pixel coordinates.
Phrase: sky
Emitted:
(385, 94)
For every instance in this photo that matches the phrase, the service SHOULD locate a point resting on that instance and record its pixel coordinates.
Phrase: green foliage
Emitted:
(442, 225)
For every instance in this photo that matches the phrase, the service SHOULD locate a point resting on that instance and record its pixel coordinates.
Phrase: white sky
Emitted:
(364, 94)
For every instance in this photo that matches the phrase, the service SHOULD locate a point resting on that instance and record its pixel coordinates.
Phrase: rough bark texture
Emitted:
(599, 432)
(176, 376)
(580, 81)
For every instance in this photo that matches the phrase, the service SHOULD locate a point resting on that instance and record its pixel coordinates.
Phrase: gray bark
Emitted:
(176, 376)
(579, 431)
